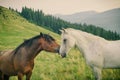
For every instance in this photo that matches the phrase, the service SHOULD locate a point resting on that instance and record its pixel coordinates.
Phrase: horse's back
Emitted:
(5, 52)
(112, 54)
(114, 47)
(5, 55)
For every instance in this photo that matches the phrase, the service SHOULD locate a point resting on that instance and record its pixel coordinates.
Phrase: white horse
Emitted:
(98, 52)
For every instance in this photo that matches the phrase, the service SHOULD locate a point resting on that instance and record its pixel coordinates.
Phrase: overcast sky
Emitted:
(63, 6)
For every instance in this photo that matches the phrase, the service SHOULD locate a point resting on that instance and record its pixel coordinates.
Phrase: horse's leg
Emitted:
(28, 75)
(1, 78)
(20, 76)
(6, 77)
(97, 73)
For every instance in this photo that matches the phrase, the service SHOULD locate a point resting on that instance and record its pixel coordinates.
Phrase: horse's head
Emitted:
(67, 42)
(48, 43)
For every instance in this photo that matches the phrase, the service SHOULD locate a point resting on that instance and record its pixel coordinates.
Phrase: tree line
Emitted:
(55, 24)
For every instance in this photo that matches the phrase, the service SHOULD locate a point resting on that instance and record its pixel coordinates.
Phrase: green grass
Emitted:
(48, 66)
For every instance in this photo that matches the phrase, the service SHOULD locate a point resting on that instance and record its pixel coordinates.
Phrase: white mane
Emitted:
(82, 33)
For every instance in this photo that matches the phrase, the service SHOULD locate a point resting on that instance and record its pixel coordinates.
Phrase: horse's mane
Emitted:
(29, 42)
(86, 34)
(48, 38)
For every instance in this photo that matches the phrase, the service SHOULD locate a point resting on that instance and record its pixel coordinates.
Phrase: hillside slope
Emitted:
(14, 29)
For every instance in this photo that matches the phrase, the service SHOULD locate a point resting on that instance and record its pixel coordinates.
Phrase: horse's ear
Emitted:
(63, 30)
(41, 34)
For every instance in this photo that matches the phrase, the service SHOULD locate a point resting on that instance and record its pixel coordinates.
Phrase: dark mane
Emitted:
(29, 42)
(48, 38)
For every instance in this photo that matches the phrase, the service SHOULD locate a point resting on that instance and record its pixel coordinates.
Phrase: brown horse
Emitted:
(20, 61)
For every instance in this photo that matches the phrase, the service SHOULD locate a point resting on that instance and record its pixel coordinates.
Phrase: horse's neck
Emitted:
(87, 42)
(33, 51)
(82, 45)
(83, 41)
(29, 52)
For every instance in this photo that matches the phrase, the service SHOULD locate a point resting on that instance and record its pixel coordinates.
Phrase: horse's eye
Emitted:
(64, 40)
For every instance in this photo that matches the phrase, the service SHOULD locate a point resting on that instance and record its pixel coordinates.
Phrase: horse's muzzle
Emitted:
(63, 55)
(57, 50)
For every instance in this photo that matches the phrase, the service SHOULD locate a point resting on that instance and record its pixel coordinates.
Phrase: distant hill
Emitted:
(77, 17)
(109, 20)
(14, 29)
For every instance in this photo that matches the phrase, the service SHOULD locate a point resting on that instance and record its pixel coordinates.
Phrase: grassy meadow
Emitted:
(48, 66)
